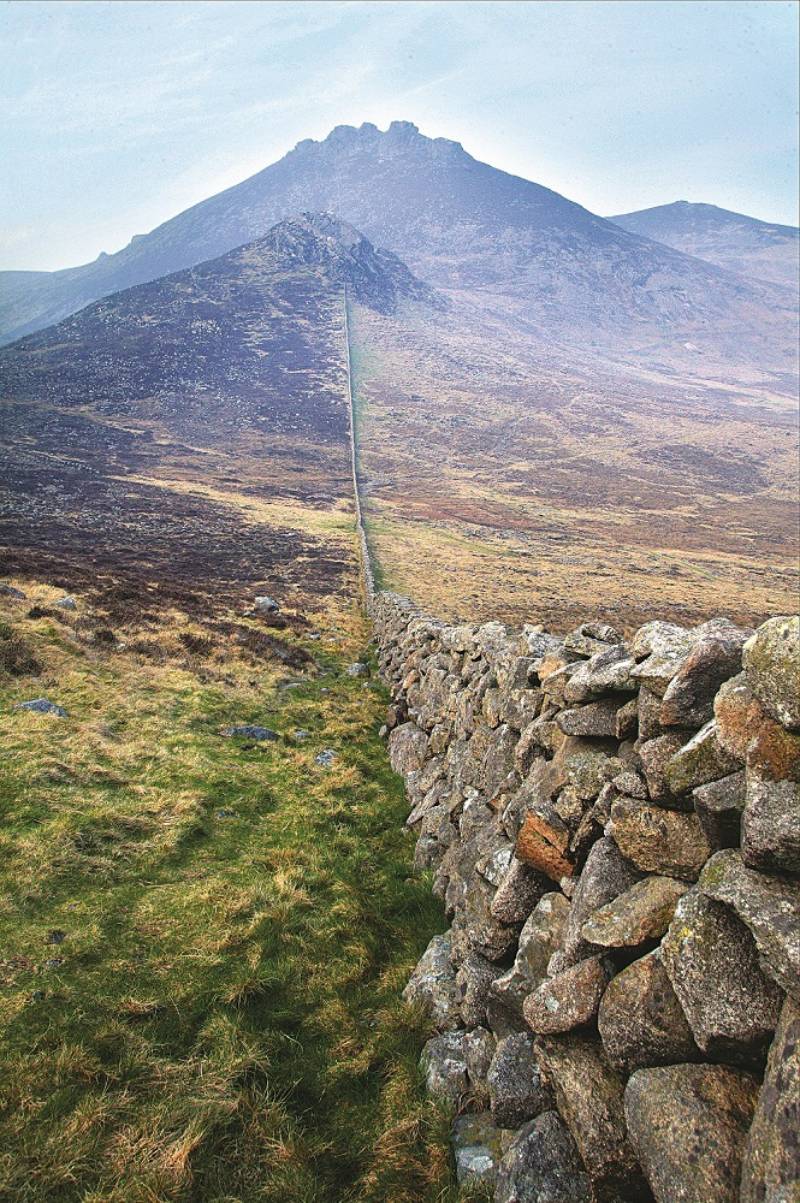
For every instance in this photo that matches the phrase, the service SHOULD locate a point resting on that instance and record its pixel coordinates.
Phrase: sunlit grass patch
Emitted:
(204, 939)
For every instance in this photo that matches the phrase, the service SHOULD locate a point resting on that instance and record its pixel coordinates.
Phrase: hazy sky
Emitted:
(115, 116)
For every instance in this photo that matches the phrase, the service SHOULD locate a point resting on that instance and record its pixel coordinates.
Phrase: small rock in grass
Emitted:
(10, 591)
(67, 603)
(56, 936)
(226, 814)
(301, 734)
(477, 1146)
(250, 731)
(357, 670)
(42, 706)
(326, 758)
(266, 605)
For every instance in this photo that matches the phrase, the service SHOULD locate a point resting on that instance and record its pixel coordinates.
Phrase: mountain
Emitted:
(553, 268)
(128, 429)
(757, 249)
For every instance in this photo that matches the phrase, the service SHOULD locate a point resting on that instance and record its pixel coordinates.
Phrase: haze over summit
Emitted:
(139, 111)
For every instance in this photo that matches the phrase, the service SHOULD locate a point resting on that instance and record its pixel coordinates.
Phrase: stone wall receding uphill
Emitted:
(614, 831)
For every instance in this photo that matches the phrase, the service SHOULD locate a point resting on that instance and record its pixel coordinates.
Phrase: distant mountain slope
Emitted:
(129, 430)
(761, 250)
(559, 270)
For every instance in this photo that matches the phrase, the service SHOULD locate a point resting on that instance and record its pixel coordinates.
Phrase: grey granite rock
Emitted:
(771, 1169)
(688, 1124)
(641, 913)
(432, 985)
(516, 1090)
(540, 937)
(542, 1165)
(768, 905)
(569, 999)
(712, 963)
(640, 1020)
(772, 664)
(589, 1094)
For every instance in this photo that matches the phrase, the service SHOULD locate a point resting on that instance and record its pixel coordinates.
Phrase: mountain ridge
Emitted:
(764, 251)
(557, 270)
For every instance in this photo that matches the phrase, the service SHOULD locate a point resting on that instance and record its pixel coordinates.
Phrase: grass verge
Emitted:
(203, 940)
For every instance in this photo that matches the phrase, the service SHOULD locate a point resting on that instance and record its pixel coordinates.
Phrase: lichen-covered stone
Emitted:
(477, 1149)
(543, 844)
(771, 825)
(432, 985)
(772, 663)
(479, 1048)
(715, 656)
(655, 755)
(474, 978)
(699, 761)
(541, 1165)
(569, 999)
(770, 908)
(738, 713)
(719, 806)
(606, 672)
(660, 841)
(660, 649)
(771, 1169)
(605, 876)
(712, 963)
(516, 1090)
(641, 913)
(539, 939)
(589, 1094)
(443, 1061)
(774, 752)
(518, 892)
(688, 1124)
(640, 1020)
(407, 747)
(593, 718)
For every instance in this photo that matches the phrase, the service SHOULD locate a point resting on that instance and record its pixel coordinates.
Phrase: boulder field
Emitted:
(613, 827)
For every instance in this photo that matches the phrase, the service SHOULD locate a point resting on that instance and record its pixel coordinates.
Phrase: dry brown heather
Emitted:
(502, 482)
(211, 463)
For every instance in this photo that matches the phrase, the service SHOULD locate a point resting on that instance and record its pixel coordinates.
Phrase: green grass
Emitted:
(221, 1019)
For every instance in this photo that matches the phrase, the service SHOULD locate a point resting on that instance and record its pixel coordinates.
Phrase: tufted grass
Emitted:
(203, 940)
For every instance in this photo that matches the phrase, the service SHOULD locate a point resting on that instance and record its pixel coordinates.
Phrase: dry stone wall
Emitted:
(614, 830)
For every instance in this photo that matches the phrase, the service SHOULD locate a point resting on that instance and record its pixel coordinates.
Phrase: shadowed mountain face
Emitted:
(555, 270)
(131, 430)
(758, 249)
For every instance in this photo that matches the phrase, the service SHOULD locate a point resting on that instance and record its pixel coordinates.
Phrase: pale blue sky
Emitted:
(115, 116)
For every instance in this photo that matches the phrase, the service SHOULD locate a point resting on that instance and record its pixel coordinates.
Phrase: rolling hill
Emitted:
(197, 426)
(759, 250)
